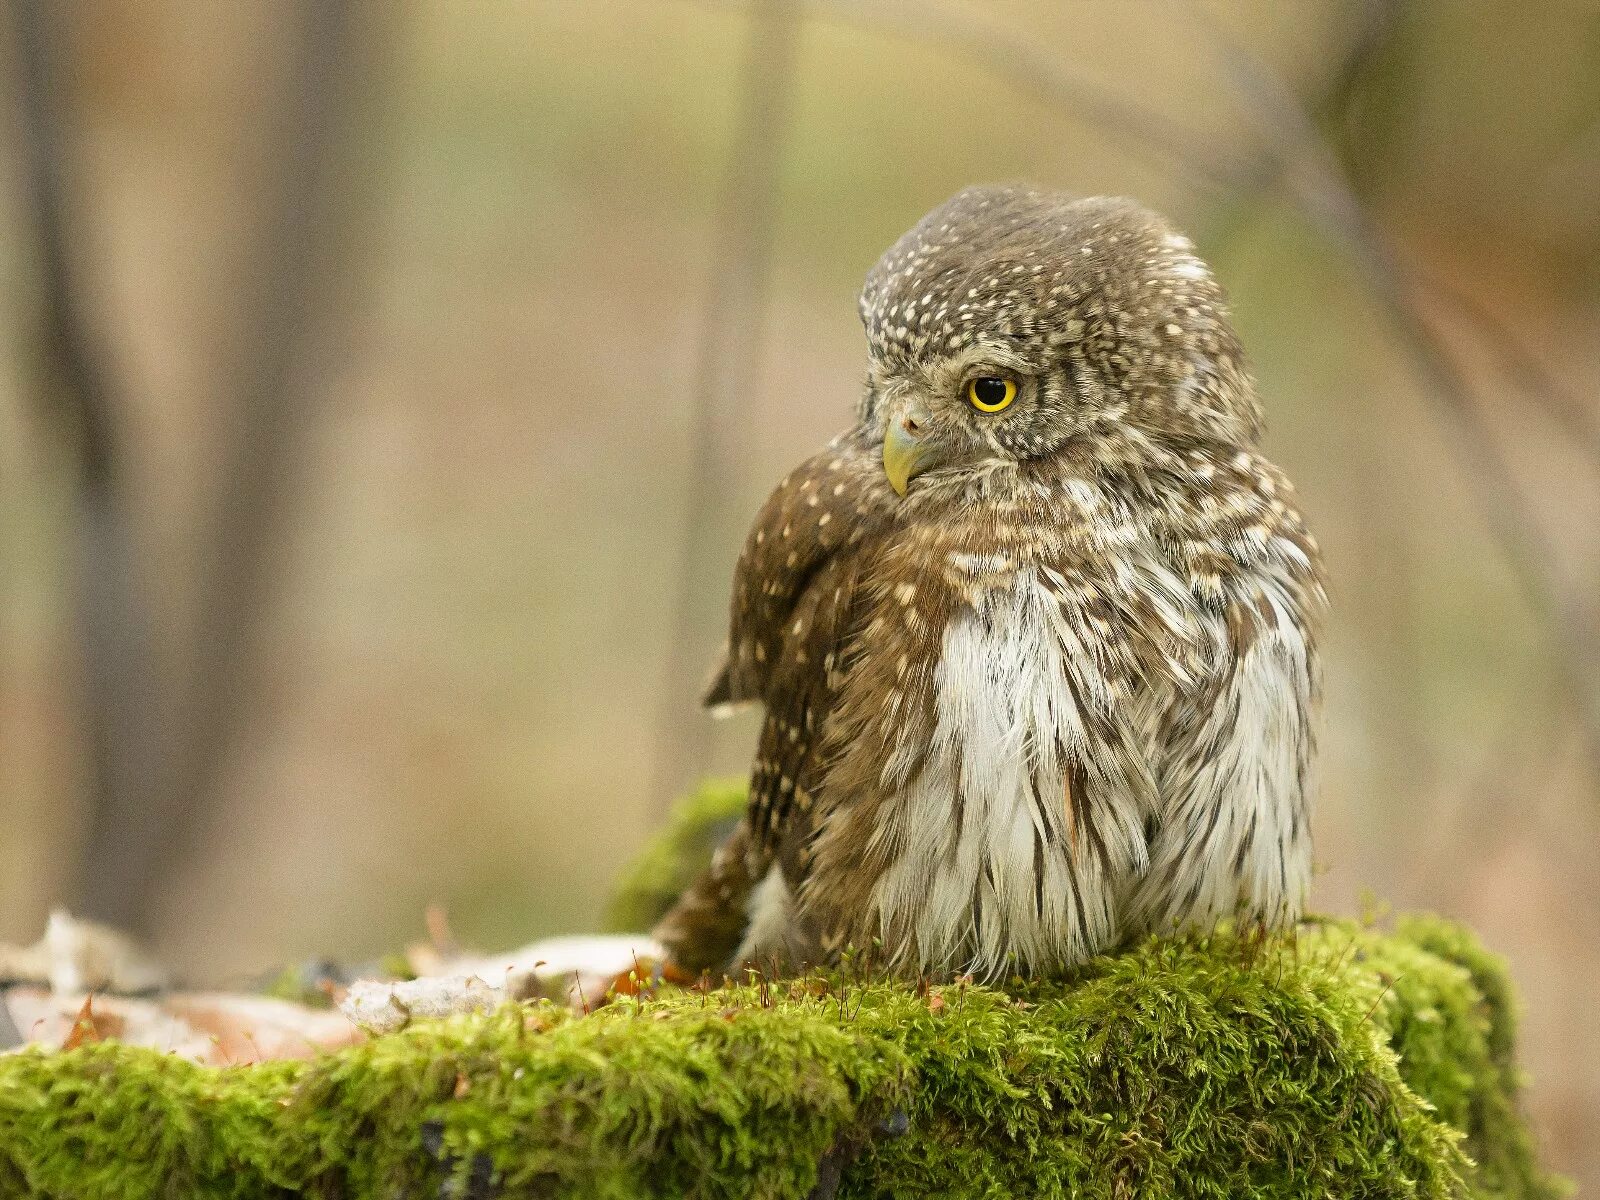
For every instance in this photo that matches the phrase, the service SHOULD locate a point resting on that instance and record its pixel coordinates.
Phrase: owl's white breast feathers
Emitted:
(995, 870)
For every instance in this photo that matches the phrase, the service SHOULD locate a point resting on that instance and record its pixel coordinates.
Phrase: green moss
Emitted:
(1462, 1057)
(1342, 1062)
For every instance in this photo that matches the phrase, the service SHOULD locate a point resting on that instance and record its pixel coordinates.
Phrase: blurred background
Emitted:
(385, 390)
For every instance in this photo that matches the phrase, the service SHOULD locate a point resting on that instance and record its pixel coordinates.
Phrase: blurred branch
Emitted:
(1323, 192)
(267, 399)
(727, 362)
(1024, 62)
(118, 680)
(1377, 22)
(1579, 420)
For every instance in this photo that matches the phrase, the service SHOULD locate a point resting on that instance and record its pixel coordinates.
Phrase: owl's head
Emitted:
(1011, 323)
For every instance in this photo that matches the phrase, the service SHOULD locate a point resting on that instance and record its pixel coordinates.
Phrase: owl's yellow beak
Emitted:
(907, 452)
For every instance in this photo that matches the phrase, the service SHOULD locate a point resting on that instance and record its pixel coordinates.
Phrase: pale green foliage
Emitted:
(697, 823)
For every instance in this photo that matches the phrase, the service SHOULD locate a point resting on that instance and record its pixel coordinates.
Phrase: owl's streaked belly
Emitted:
(1001, 866)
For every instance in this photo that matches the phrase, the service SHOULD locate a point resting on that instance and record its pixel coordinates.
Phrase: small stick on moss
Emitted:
(830, 1168)
(1388, 987)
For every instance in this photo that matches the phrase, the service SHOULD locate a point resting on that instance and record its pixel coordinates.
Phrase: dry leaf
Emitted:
(261, 1028)
(83, 1032)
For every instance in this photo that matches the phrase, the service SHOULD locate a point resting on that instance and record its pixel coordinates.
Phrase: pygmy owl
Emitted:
(1036, 639)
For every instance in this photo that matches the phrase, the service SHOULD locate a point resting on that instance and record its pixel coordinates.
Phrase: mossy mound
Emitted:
(1341, 1062)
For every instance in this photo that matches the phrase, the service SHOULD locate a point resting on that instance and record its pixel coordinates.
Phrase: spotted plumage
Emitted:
(1036, 638)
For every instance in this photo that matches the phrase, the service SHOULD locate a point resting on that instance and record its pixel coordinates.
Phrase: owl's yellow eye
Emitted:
(989, 393)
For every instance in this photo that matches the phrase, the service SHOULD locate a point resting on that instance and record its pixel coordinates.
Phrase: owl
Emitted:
(1036, 639)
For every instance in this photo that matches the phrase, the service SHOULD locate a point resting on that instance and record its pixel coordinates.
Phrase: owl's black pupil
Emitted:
(989, 391)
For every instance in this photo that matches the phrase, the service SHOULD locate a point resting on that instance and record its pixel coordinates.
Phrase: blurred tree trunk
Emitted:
(113, 620)
(160, 734)
(271, 388)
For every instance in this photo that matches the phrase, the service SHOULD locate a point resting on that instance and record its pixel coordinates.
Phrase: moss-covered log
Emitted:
(1341, 1062)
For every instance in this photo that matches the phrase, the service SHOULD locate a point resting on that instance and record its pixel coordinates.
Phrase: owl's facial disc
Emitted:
(969, 411)
(925, 431)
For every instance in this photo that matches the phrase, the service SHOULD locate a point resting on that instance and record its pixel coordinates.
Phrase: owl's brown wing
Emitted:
(821, 507)
(793, 593)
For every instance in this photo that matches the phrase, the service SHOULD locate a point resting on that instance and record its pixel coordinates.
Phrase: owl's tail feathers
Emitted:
(704, 929)
(718, 693)
(725, 693)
